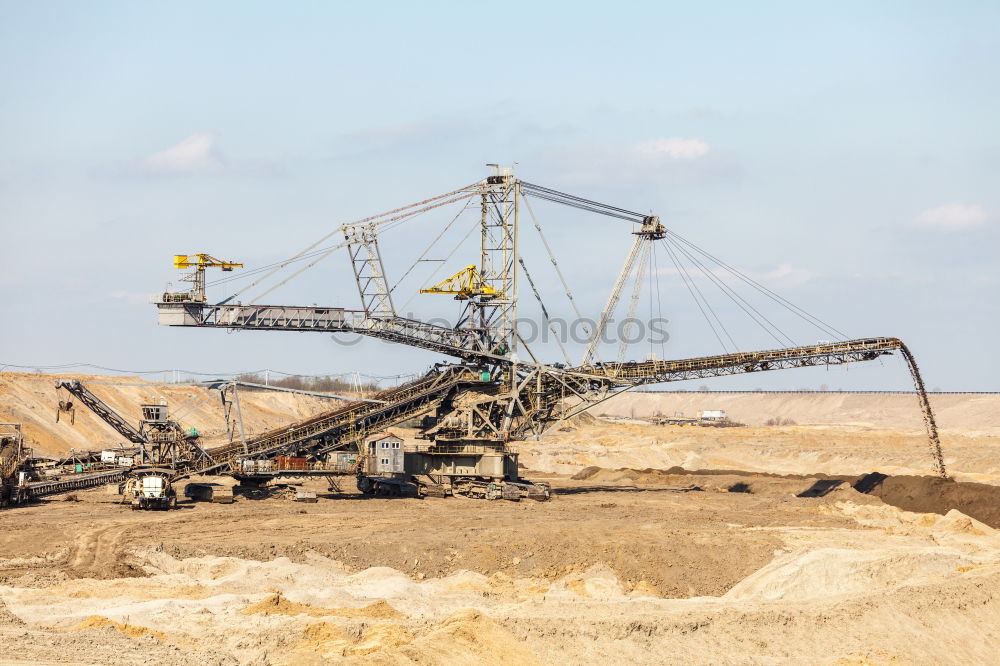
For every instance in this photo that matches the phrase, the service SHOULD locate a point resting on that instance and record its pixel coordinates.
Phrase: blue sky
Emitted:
(845, 154)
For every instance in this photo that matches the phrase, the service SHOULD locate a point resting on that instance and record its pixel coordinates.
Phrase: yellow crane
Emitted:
(464, 284)
(202, 261)
(199, 262)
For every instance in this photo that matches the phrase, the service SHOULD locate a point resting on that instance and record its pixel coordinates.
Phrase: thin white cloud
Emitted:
(131, 297)
(783, 275)
(195, 153)
(674, 147)
(788, 276)
(952, 217)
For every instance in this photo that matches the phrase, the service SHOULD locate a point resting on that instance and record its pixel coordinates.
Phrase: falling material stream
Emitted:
(925, 407)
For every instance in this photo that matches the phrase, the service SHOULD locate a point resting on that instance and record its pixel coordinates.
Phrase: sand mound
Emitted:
(597, 582)
(131, 630)
(896, 521)
(827, 572)
(379, 609)
(276, 604)
(321, 641)
(466, 637)
(7, 618)
(382, 636)
(638, 476)
(582, 420)
(587, 473)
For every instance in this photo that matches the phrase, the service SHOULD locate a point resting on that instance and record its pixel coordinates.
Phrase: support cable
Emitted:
(555, 264)
(654, 283)
(637, 284)
(740, 301)
(556, 196)
(287, 279)
(545, 312)
(440, 267)
(812, 319)
(433, 202)
(260, 269)
(431, 246)
(589, 209)
(612, 303)
(190, 406)
(695, 294)
(399, 219)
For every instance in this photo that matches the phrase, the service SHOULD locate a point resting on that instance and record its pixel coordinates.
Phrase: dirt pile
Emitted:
(131, 630)
(8, 618)
(467, 637)
(733, 481)
(277, 604)
(922, 494)
(812, 574)
(925, 494)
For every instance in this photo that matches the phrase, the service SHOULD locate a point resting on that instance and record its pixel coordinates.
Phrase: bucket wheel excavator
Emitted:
(496, 389)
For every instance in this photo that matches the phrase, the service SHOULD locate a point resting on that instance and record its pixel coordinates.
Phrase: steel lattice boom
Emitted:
(655, 372)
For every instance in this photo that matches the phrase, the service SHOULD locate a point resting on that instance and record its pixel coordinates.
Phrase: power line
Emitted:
(68, 366)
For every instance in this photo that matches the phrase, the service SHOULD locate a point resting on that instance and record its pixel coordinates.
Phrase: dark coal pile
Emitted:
(929, 494)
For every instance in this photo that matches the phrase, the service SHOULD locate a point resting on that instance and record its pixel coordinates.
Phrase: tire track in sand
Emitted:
(98, 553)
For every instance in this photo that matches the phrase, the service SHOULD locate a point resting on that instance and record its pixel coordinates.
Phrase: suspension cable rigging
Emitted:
(769, 327)
(777, 298)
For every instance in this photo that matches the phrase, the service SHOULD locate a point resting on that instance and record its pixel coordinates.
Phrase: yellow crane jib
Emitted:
(464, 284)
(203, 261)
(199, 262)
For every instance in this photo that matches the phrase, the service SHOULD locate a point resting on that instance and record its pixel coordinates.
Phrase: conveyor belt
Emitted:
(76, 482)
(345, 425)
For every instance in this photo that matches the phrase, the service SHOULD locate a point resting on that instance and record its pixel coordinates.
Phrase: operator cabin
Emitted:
(385, 450)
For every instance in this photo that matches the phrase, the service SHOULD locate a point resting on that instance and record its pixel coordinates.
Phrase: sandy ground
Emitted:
(628, 563)
(608, 570)
(956, 413)
(800, 449)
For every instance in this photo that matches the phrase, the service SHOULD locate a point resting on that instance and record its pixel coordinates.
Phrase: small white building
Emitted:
(385, 451)
(712, 415)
